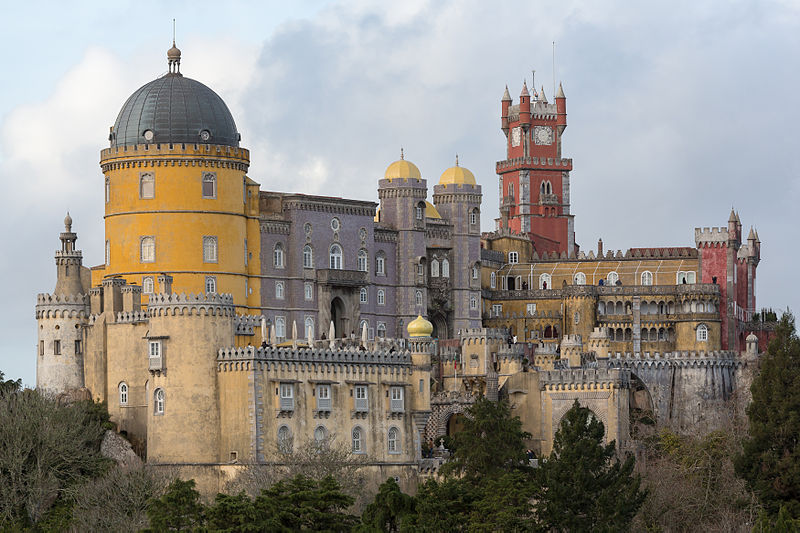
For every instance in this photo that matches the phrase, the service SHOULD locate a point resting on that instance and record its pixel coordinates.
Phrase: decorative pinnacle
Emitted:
(506, 95)
(456, 159)
(402, 156)
(542, 97)
(68, 223)
(732, 218)
(560, 93)
(751, 236)
(524, 89)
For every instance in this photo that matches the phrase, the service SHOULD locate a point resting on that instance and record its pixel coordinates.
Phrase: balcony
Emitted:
(548, 199)
(156, 363)
(341, 278)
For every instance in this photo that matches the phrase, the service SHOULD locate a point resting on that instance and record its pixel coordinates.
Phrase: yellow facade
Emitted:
(157, 192)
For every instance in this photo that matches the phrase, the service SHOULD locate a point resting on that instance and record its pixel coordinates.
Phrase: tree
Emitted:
(584, 487)
(770, 460)
(9, 386)
(442, 506)
(47, 447)
(179, 509)
(390, 508)
(491, 443)
(232, 513)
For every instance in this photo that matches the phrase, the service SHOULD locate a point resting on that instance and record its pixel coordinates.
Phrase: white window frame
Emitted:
(154, 349)
(320, 434)
(418, 300)
(545, 278)
(363, 295)
(308, 256)
(159, 401)
(286, 396)
(702, 333)
(445, 268)
(278, 256)
(357, 439)
(475, 272)
(473, 217)
(335, 257)
(420, 211)
(646, 278)
(148, 285)
(363, 260)
(381, 330)
(473, 303)
(396, 399)
(123, 393)
(361, 398)
(530, 309)
(513, 258)
(323, 392)
(147, 249)
(380, 264)
(434, 268)
(497, 310)
(308, 291)
(280, 328)
(308, 324)
(612, 277)
(209, 177)
(280, 292)
(393, 440)
(211, 284)
(108, 252)
(381, 298)
(493, 280)
(144, 179)
(108, 189)
(210, 249)
(579, 278)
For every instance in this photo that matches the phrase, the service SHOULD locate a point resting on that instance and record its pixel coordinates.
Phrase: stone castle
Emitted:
(228, 325)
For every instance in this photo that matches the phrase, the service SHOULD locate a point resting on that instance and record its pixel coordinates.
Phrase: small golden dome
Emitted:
(402, 169)
(419, 327)
(458, 175)
(431, 211)
(174, 52)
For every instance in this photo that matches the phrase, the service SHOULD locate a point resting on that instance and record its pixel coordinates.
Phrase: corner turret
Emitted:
(505, 103)
(68, 263)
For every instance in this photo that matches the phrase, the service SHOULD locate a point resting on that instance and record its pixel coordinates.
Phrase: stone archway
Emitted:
(338, 317)
(641, 410)
(440, 329)
(443, 406)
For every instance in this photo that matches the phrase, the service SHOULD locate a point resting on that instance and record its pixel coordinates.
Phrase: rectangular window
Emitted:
(210, 249)
(287, 396)
(211, 284)
(245, 253)
(209, 184)
(497, 309)
(56, 347)
(361, 404)
(279, 290)
(513, 258)
(155, 349)
(147, 249)
(41, 347)
(108, 253)
(108, 189)
(323, 397)
(308, 291)
(380, 265)
(531, 309)
(78, 347)
(397, 399)
(147, 185)
(473, 303)
(381, 297)
(280, 328)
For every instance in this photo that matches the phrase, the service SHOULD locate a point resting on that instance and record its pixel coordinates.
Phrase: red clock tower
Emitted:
(534, 179)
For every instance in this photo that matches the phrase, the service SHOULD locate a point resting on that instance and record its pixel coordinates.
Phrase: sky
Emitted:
(677, 112)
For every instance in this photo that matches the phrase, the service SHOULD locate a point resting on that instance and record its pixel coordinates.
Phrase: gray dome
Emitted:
(174, 109)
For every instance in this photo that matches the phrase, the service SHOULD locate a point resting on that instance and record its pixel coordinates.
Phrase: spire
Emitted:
(560, 93)
(737, 219)
(506, 95)
(402, 156)
(456, 159)
(174, 55)
(524, 89)
(757, 239)
(68, 223)
(542, 97)
(732, 218)
(751, 236)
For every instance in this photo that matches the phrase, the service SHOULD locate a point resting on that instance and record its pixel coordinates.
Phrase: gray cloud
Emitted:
(676, 113)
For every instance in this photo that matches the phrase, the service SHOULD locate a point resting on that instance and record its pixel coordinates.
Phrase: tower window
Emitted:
(279, 290)
(381, 297)
(393, 440)
(108, 189)
(147, 249)
(78, 347)
(211, 284)
(246, 253)
(445, 268)
(647, 278)
(209, 184)
(308, 257)
(108, 253)
(210, 249)
(418, 298)
(380, 264)
(147, 185)
(473, 216)
(435, 268)
(362, 295)
(123, 393)
(320, 434)
(358, 438)
(57, 347)
(362, 260)
(493, 280)
(396, 404)
(287, 396)
(336, 257)
(159, 402)
(148, 285)
(473, 303)
(309, 323)
(285, 443)
(420, 211)
(475, 272)
(308, 291)
(280, 328)
(41, 347)
(513, 258)
(381, 331)
(702, 333)
(277, 256)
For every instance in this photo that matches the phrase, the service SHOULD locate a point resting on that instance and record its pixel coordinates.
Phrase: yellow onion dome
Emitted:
(402, 169)
(431, 211)
(458, 175)
(419, 327)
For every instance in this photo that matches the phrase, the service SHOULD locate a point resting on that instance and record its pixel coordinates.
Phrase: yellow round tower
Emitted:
(177, 198)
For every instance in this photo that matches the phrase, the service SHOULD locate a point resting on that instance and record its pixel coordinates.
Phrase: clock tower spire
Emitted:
(534, 178)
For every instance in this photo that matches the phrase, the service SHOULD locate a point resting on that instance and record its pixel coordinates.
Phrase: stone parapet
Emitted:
(58, 306)
(246, 324)
(694, 289)
(132, 317)
(188, 304)
(226, 357)
(584, 379)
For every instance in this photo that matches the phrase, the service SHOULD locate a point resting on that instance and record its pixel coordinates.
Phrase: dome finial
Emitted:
(402, 156)
(68, 223)
(174, 55)
(456, 159)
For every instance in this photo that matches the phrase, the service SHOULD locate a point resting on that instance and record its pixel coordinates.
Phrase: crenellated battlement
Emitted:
(277, 356)
(132, 317)
(483, 335)
(58, 300)
(187, 304)
(710, 236)
(572, 379)
(247, 324)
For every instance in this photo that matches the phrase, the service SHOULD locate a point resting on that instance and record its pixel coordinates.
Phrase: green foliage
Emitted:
(491, 443)
(583, 486)
(179, 509)
(9, 386)
(504, 504)
(390, 508)
(770, 461)
(232, 514)
(47, 448)
(442, 506)
(782, 523)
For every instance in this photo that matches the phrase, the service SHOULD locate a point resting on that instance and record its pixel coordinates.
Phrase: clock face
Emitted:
(543, 135)
(205, 135)
(516, 136)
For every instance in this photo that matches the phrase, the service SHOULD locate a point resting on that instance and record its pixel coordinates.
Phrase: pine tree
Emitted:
(584, 487)
(179, 509)
(770, 461)
(387, 512)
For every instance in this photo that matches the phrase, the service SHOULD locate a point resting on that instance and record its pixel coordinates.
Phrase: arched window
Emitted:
(280, 328)
(277, 256)
(147, 185)
(418, 298)
(612, 278)
(108, 253)
(108, 189)
(147, 249)
(309, 327)
(380, 264)
(123, 393)
(361, 325)
(420, 211)
(362, 260)
(549, 188)
(308, 257)
(308, 290)
(381, 329)
(473, 303)
(381, 297)
(358, 440)
(513, 258)
(320, 434)
(601, 308)
(393, 440)
(493, 280)
(158, 404)
(702, 333)
(445, 268)
(475, 272)
(362, 296)
(473, 216)
(580, 278)
(545, 281)
(148, 286)
(336, 257)
(285, 443)
(209, 185)
(511, 191)
(211, 284)
(209, 249)
(647, 278)
(435, 268)
(279, 290)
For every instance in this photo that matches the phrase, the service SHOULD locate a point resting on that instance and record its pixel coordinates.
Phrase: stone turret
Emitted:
(68, 263)
(421, 345)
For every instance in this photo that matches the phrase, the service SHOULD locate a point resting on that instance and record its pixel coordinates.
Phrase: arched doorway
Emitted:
(338, 317)
(640, 404)
(440, 330)
(455, 424)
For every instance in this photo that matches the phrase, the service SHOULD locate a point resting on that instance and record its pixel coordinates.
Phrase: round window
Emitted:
(148, 135)
(307, 228)
(335, 224)
(205, 135)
